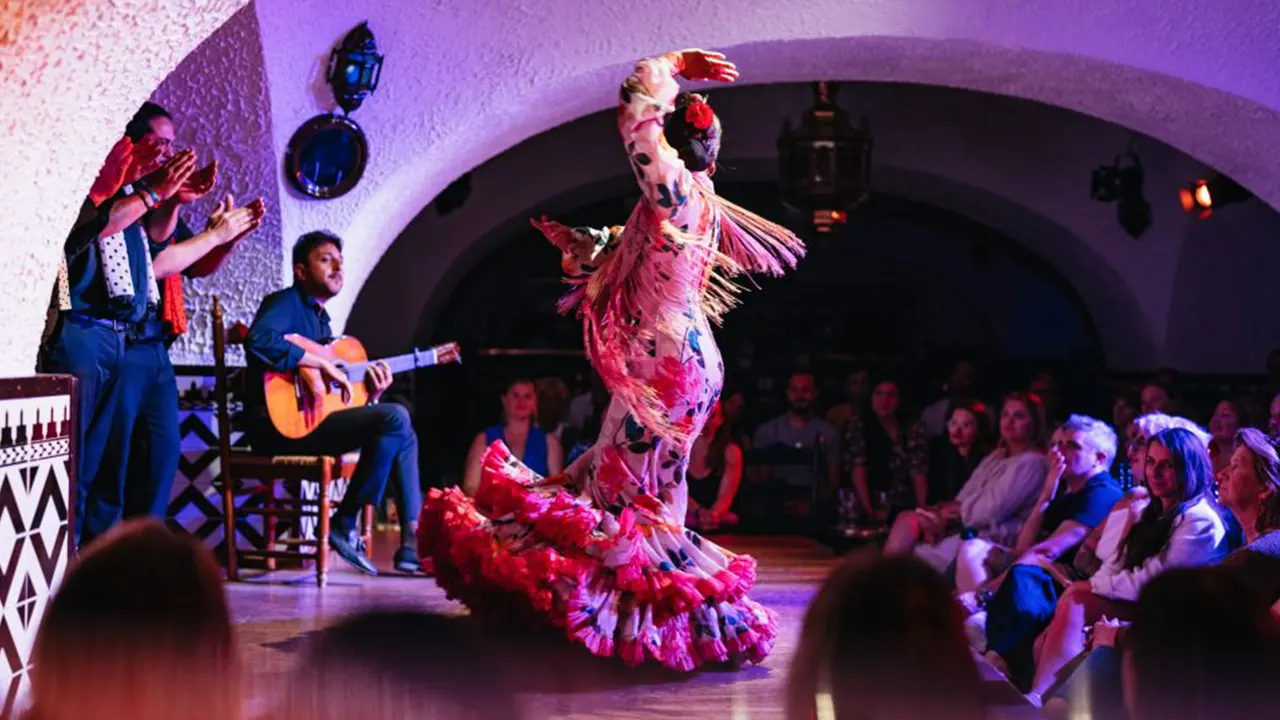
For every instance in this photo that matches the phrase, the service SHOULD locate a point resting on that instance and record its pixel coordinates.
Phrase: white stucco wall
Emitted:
(219, 101)
(71, 75)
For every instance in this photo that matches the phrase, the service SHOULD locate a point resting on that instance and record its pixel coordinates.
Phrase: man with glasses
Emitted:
(1078, 494)
(111, 332)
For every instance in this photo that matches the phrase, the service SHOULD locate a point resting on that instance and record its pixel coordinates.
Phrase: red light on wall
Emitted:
(1205, 196)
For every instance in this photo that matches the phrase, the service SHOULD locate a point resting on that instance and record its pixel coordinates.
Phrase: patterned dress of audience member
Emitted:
(601, 552)
(892, 465)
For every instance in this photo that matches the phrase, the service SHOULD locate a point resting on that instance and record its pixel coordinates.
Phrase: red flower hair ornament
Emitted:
(700, 115)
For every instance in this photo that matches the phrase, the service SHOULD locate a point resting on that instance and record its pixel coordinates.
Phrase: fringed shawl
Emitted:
(626, 297)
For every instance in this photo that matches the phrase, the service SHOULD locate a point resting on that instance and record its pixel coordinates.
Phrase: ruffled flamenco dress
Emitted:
(601, 551)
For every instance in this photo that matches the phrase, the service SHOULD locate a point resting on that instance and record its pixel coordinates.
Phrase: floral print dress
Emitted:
(602, 551)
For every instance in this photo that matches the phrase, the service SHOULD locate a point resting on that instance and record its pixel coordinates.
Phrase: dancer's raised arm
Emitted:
(647, 96)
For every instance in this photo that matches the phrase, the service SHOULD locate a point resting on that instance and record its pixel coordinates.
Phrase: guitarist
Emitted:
(289, 321)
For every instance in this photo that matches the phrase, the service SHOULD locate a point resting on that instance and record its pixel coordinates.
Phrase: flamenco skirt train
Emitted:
(625, 584)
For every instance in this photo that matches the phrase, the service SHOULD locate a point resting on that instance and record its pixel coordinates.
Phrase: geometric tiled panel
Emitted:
(35, 538)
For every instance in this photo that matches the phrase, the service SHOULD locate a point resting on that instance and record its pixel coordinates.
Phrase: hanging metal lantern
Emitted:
(825, 165)
(354, 68)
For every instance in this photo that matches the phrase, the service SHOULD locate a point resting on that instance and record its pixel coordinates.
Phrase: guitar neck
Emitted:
(398, 364)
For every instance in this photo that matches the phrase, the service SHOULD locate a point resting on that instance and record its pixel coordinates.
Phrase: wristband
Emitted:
(142, 187)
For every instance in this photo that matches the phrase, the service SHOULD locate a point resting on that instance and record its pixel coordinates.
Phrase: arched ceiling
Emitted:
(475, 80)
(989, 161)
(466, 81)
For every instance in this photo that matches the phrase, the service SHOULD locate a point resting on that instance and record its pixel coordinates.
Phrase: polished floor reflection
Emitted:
(275, 613)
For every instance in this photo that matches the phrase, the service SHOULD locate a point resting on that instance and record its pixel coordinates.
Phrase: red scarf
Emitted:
(174, 312)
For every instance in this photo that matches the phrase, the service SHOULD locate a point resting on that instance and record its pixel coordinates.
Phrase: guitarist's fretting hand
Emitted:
(379, 380)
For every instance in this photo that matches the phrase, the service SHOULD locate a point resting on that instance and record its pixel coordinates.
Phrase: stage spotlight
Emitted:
(1205, 196)
(1121, 183)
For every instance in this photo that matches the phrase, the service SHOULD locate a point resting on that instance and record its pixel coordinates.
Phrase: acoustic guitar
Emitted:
(296, 411)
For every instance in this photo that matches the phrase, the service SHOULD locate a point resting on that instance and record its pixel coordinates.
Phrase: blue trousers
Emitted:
(1019, 611)
(388, 448)
(154, 447)
(145, 421)
(94, 355)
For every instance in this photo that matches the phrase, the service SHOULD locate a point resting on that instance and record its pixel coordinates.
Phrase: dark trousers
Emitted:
(94, 355)
(388, 448)
(145, 421)
(1019, 611)
(151, 409)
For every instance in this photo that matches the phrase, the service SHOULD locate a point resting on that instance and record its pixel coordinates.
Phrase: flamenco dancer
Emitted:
(601, 550)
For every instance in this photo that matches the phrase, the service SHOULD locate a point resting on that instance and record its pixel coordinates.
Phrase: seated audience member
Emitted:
(397, 665)
(1157, 397)
(1250, 489)
(857, 385)
(992, 505)
(1124, 410)
(796, 463)
(1045, 386)
(1199, 648)
(586, 406)
(734, 404)
(882, 640)
(579, 440)
(954, 456)
(887, 457)
(1077, 497)
(958, 390)
(715, 472)
(553, 406)
(1181, 526)
(1228, 418)
(138, 631)
(539, 449)
(1103, 542)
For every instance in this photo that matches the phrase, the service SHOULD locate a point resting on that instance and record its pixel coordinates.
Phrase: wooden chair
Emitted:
(273, 472)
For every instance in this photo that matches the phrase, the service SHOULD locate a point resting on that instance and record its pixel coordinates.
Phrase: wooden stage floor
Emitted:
(275, 613)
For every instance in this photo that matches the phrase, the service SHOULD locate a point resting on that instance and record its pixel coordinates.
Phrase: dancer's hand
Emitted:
(694, 64)
(559, 234)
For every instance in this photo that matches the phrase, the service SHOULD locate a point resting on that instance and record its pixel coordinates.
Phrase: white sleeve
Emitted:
(1196, 539)
(999, 502)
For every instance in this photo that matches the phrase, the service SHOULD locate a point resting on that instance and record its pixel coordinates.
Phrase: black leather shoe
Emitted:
(348, 548)
(406, 560)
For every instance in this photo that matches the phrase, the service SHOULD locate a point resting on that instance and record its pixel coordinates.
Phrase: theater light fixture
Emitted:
(1205, 196)
(1122, 183)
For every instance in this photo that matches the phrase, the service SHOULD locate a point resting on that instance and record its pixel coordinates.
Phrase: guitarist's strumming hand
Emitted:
(379, 380)
(319, 385)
